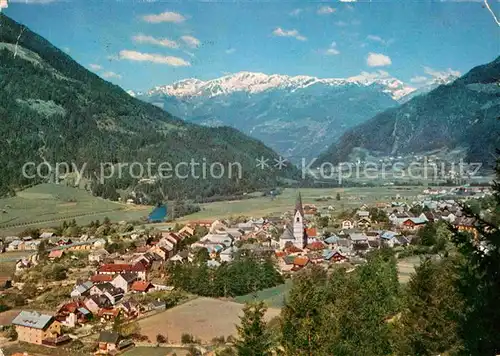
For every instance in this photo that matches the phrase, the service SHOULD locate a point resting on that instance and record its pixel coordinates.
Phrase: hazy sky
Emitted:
(141, 44)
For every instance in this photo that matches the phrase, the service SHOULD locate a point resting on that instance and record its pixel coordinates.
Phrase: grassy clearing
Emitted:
(272, 297)
(48, 204)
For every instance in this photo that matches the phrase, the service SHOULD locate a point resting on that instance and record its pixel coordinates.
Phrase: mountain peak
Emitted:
(255, 82)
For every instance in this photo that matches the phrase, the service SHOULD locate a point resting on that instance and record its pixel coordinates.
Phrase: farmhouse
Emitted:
(34, 328)
(413, 223)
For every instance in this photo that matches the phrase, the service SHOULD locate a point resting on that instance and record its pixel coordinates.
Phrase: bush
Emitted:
(161, 339)
(11, 333)
(187, 339)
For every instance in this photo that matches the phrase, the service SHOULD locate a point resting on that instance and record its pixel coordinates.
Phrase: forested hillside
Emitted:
(462, 114)
(54, 110)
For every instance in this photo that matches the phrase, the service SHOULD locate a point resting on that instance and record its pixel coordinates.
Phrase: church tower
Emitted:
(299, 231)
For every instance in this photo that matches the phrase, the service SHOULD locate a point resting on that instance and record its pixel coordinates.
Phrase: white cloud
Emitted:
(191, 41)
(95, 67)
(109, 75)
(326, 10)
(230, 50)
(375, 39)
(3, 5)
(154, 58)
(371, 76)
(289, 33)
(164, 42)
(441, 74)
(378, 60)
(347, 0)
(168, 16)
(332, 50)
(419, 79)
(295, 12)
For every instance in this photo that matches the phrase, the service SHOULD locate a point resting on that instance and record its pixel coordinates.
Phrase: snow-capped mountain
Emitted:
(253, 83)
(298, 116)
(431, 85)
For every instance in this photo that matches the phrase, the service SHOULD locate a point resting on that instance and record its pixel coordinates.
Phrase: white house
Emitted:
(347, 224)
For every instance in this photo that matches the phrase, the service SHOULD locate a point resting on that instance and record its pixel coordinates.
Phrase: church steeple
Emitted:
(298, 205)
(300, 237)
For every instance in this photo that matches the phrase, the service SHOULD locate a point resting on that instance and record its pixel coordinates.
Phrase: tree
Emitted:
(202, 255)
(161, 339)
(187, 338)
(428, 323)
(344, 314)
(323, 221)
(253, 337)
(301, 317)
(427, 235)
(479, 282)
(42, 250)
(11, 333)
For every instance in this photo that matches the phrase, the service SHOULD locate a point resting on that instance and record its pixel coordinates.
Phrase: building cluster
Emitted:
(293, 240)
(105, 296)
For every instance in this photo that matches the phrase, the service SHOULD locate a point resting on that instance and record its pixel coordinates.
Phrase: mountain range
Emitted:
(462, 115)
(54, 110)
(298, 116)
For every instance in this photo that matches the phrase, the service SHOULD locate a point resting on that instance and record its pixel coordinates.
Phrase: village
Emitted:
(107, 282)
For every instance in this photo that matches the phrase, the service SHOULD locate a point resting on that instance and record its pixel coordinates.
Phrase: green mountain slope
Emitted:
(461, 114)
(53, 109)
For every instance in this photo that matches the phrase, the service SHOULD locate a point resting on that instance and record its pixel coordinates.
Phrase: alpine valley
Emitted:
(298, 116)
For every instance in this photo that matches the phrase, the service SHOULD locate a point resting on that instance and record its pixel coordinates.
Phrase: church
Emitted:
(295, 233)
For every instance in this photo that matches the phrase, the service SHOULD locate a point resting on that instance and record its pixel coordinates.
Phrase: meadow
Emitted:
(49, 204)
(350, 198)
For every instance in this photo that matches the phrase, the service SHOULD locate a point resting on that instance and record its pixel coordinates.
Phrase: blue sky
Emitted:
(141, 44)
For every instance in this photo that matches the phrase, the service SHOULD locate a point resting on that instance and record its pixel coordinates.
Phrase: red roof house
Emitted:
(141, 286)
(56, 254)
(100, 278)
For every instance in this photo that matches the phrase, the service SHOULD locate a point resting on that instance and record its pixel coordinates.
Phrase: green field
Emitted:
(272, 297)
(49, 204)
(350, 198)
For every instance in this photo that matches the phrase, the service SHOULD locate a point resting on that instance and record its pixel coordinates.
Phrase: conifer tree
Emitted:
(253, 337)
(480, 282)
(428, 322)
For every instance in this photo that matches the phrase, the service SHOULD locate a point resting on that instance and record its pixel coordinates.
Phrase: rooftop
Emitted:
(32, 320)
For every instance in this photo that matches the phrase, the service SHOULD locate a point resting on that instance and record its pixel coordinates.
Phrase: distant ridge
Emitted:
(463, 113)
(55, 110)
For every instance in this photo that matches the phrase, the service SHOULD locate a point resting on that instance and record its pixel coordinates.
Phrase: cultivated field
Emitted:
(204, 318)
(49, 204)
(156, 351)
(350, 198)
